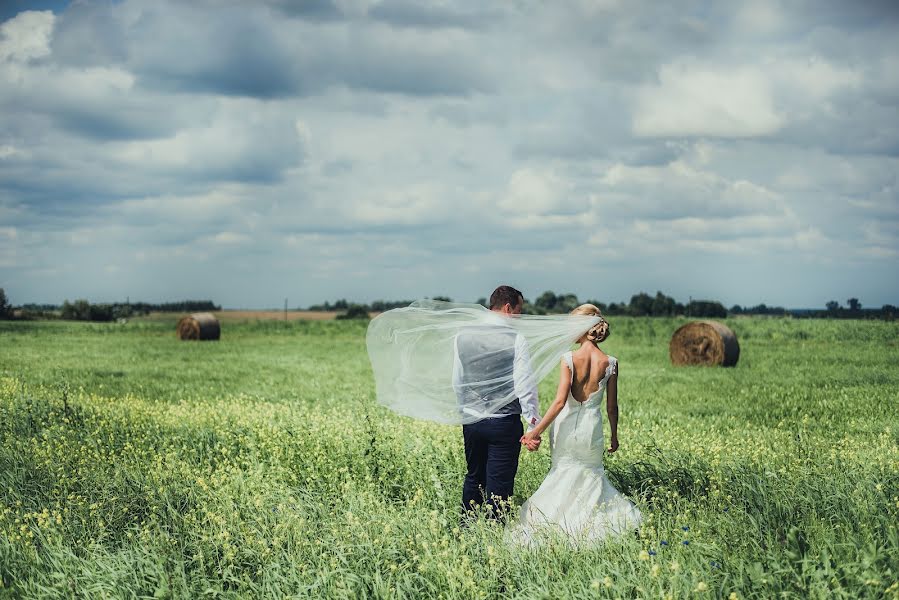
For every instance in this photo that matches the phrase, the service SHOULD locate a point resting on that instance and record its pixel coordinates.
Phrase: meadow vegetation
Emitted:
(133, 464)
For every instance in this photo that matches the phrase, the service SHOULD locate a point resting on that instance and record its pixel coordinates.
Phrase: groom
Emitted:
(492, 443)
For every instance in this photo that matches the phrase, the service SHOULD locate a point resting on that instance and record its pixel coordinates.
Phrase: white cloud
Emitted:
(682, 189)
(694, 99)
(230, 238)
(743, 226)
(26, 36)
(246, 137)
(7, 151)
(414, 204)
(535, 192)
(811, 79)
(179, 208)
(759, 16)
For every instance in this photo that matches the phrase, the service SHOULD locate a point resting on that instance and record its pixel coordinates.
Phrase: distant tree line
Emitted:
(759, 309)
(376, 306)
(549, 302)
(640, 305)
(82, 310)
(853, 310)
(354, 310)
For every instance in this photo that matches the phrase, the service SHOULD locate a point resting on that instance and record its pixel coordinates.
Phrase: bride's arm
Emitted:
(612, 407)
(556, 407)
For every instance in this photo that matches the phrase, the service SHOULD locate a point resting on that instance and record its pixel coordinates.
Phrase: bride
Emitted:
(576, 498)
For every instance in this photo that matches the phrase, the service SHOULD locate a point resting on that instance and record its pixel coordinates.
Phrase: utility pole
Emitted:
(285, 309)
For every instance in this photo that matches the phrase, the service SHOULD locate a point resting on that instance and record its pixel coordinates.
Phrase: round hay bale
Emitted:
(706, 343)
(199, 326)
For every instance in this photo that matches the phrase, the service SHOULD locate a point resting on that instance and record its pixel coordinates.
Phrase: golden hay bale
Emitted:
(707, 343)
(199, 326)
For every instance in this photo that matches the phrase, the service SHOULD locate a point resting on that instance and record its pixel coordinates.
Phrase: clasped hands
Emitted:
(531, 440)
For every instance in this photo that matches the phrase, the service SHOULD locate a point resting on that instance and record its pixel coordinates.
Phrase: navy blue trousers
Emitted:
(492, 447)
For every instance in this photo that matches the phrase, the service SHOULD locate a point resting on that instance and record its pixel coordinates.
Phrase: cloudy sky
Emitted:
(317, 149)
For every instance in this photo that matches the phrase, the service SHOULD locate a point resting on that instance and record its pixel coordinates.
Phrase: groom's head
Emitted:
(507, 300)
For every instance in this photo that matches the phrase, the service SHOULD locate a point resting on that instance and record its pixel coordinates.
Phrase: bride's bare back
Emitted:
(590, 365)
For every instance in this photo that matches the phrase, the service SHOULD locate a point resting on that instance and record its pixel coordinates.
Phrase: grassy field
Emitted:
(135, 465)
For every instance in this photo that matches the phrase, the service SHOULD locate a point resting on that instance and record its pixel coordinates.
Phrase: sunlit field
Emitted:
(133, 464)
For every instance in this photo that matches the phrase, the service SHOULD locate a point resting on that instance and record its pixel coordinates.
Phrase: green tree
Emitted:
(79, 310)
(566, 303)
(641, 304)
(662, 305)
(354, 311)
(546, 302)
(706, 308)
(854, 304)
(5, 306)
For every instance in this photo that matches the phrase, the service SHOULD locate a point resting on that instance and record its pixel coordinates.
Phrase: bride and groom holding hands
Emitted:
(464, 364)
(575, 498)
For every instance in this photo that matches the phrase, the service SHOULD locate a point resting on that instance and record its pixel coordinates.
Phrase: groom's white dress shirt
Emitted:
(525, 386)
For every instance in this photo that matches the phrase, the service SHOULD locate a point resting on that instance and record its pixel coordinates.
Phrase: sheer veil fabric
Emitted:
(415, 356)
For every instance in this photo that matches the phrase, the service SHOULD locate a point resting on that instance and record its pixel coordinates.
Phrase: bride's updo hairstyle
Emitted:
(599, 332)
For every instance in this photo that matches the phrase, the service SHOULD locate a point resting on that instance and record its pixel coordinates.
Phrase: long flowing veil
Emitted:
(416, 353)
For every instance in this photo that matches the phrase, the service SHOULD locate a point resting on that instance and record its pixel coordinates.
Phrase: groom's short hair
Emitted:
(505, 294)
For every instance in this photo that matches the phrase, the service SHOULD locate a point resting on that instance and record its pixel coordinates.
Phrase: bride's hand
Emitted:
(531, 441)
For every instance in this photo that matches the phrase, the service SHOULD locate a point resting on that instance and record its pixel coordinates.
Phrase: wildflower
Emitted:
(595, 584)
(733, 596)
(607, 581)
(654, 571)
(701, 586)
(664, 542)
(686, 542)
(652, 552)
(644, 555)
(685, 528)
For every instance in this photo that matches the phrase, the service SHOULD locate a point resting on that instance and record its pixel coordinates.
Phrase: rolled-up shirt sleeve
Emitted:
(525, 385)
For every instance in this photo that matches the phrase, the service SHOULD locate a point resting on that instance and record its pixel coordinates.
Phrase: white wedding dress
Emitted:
(576, 499)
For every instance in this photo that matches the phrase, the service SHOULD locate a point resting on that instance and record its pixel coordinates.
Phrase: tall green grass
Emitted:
(133, 464)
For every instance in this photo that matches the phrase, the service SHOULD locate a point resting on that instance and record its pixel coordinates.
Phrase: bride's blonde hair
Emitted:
(599, 332)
